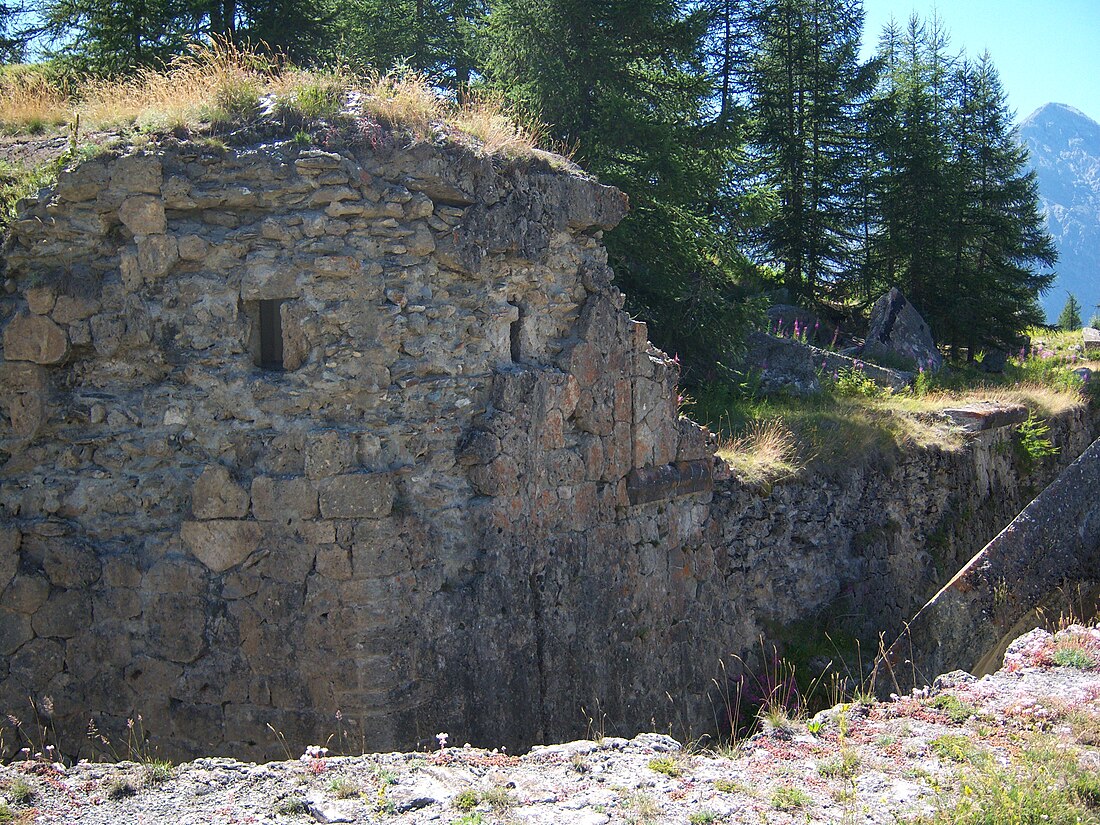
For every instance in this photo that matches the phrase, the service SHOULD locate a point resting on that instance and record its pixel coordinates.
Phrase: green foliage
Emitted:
(807, 89)
(1070, 317)
(1073, 655)
(1035, 444)
(854, 383)
(954, 747)
(626, 84)
(1034, 788)
(702, 817)
(666, 765)
(1094, 322)
(955, 220)
(957, 711)
(291, 806)
(467, 800)
(845, 766)
(789, 799)
(6, 814)
(343, 787)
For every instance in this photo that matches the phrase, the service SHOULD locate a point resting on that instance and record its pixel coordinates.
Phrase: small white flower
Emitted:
(442, 737)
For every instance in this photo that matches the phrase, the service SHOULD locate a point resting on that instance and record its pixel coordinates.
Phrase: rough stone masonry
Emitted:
(290, 433)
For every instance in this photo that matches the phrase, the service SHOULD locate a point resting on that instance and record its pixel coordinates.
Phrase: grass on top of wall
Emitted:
(219, 87)
(765, 438)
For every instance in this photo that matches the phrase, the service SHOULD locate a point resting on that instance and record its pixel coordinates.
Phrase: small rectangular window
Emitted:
(271, 335)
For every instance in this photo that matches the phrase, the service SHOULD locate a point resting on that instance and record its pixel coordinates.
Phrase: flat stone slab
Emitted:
(649, 484)
(986, 415)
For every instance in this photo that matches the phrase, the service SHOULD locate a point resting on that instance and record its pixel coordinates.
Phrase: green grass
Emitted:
(954, 748)
(957, 711)
(1072, 655)
(1044, 786)
(666, 765)
(467, 800)
(844, 766)
(789, 799)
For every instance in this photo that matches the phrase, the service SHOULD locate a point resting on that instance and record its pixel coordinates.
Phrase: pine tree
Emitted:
(434, 37)
(807, 96)
(626, 84)
(1070, 318)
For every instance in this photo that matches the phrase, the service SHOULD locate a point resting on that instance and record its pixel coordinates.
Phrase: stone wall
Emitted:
(288, 433)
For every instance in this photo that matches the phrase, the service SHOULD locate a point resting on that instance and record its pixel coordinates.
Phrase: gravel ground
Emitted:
(870, 763)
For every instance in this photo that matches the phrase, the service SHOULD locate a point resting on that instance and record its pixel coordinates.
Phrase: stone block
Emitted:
(25, 594)
(329, 453)
(143, 215)
(15, 630)
(177, 626)
(1090, 339)
(10, 540)
(269, 280)
(192, 248)
(221, 544)
(336, 266)
(35, 338)
(156, 255)
(174, 574)
(40, 299)
(84, 183)
(70, 563)
(38, 660)
(137, 173)
(357, 495)
(69, 309)
(24, 391)
(283, 500)
(216, 495)
(334, 562)
(65, 614)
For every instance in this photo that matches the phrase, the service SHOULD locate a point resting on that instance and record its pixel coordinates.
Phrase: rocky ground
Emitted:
(1023, 742)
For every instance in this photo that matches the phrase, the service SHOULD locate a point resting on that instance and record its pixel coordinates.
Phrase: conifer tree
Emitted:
(626, 85)
(807, 95)
(1070, 318)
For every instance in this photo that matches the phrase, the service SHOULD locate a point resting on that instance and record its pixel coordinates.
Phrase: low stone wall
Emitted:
(365, 431)
(1055, 541)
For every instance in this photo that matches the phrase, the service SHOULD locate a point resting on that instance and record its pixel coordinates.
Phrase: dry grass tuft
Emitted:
(216, 82)
(31, 101)
(765, 452)
(497, 126)
(403, 100)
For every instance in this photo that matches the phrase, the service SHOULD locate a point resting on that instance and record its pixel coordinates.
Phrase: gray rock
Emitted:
(898, 331)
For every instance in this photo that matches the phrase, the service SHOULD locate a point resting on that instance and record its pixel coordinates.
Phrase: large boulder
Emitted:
(899, 333)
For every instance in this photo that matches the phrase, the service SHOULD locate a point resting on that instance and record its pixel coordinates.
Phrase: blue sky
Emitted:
(1045, 50)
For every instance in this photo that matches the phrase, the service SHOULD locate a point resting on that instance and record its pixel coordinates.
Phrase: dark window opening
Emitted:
(515, 331)
(271, 335)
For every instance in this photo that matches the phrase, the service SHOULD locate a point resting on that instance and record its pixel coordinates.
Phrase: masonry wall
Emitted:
(465, 502)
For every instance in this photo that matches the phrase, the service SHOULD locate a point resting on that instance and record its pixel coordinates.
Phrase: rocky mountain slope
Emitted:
(1020, 745)
(1065, 151)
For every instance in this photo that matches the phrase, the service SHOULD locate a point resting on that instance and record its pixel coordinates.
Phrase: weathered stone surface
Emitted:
(897, 330)
(221, 544)
(216, 495)
(143, 215)
(357, 495)
(35, 338)
(392, 523)
(278, 499)
(10, 539)
(1056, 539)
(788, 365)
(986, 415)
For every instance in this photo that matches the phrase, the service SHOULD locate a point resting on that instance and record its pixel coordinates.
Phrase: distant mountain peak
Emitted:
(1057, 108)
(1064, 144)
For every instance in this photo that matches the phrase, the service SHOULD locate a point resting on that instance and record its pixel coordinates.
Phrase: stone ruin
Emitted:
(290, 434)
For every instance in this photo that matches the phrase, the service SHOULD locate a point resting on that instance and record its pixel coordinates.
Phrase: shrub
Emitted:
(1035, 444)
(467, 800)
